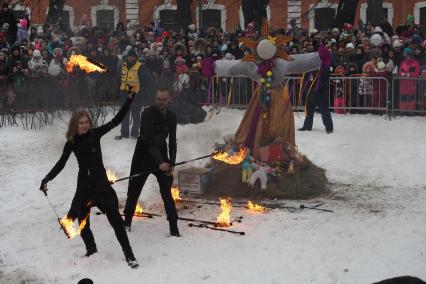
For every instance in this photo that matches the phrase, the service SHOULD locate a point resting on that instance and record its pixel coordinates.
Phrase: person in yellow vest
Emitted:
(133, 75)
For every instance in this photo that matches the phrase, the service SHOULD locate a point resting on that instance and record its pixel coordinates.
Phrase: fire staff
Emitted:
(93, 187)
(150, 157)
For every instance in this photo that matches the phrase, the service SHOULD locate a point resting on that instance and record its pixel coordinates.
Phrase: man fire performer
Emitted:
(93, 187)
(150, 157)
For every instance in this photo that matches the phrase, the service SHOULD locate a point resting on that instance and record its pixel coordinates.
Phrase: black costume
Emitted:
(319, 96)
(150, 152)
(93, 187)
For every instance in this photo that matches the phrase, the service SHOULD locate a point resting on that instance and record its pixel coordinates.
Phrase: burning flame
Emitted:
(111, 176)
(176, 193)
(139, 209)
(233, 159)
(68, 226)
(255, 207)
(224, 218)
(84, 64)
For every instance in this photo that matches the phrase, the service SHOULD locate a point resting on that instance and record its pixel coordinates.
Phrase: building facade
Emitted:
(224, 14)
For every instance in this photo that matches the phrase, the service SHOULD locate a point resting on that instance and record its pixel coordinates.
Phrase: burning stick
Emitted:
(233, 159)
(201, 221)
(176, 193)
(216, 229)
(255, 207)
(65, 223)
(86, 64)
(224, 218)
(111, 176)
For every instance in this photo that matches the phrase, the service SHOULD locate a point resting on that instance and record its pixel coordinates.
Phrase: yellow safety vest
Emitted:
(130, 77)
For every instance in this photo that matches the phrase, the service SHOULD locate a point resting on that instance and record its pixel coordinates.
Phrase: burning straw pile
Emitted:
(290, 175)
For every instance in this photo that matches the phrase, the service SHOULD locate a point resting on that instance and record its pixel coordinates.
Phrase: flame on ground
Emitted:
(111, 176)
(255, 207)
(68, 226)
(176, 193)
(234, 159)
(83, 63)
(224, 218)
(139, 209)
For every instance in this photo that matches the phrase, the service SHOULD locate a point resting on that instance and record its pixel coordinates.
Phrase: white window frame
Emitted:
(167, 5)
(20, 7)
(104, 6)
(417, 8)
(212, 6)
(387, 5)
(318, 6)
(70, 10)
(241, 15)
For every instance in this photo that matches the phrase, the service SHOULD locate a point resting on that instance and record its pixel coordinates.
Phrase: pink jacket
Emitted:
(410, 68)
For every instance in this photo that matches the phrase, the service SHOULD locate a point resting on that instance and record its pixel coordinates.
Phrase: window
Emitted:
(324, 18)
(105, 20)
(169, 19)
(385, 14)
(19, 14)
(423, 19)
(211, 18)
(65, 19)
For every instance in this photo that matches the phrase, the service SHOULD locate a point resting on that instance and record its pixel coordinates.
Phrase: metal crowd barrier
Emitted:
(357, 94)
(408, 96)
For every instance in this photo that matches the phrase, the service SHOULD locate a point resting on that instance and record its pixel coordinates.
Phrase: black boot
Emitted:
(174, 231)
(304, 129)
(131, 260)
(91, 251)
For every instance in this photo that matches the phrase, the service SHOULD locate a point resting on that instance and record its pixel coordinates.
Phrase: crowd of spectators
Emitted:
(187, 57)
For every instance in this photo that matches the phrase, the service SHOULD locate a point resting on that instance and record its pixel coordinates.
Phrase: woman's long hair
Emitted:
(73, 124)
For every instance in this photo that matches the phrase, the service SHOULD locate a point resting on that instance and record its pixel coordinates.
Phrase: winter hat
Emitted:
(378, 29)
(132, 53)
(381, 65)
(350, 45)
(179, 59)
(410, 19)
(40, 30)
(397, 44)
(408, 51)
(57, 51)
(24, 23)
(335, 30)
(229, 56)
(36, 53)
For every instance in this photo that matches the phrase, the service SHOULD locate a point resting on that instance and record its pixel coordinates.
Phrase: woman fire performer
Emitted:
(93, 187)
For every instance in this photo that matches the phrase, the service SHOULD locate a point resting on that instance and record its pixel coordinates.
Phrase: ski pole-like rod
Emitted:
(193, 160)
(315, 208)
(200, 221)
(177, 164)
(57, 216)
(241, 233)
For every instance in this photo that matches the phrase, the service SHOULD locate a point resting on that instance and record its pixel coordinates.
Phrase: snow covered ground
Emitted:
(378, 230)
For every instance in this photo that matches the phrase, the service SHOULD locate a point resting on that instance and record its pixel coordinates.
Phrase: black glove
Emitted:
(43, 186)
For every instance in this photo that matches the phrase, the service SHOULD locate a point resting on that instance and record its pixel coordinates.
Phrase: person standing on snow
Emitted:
(320, 94)
(150, 157)
(93, 187)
